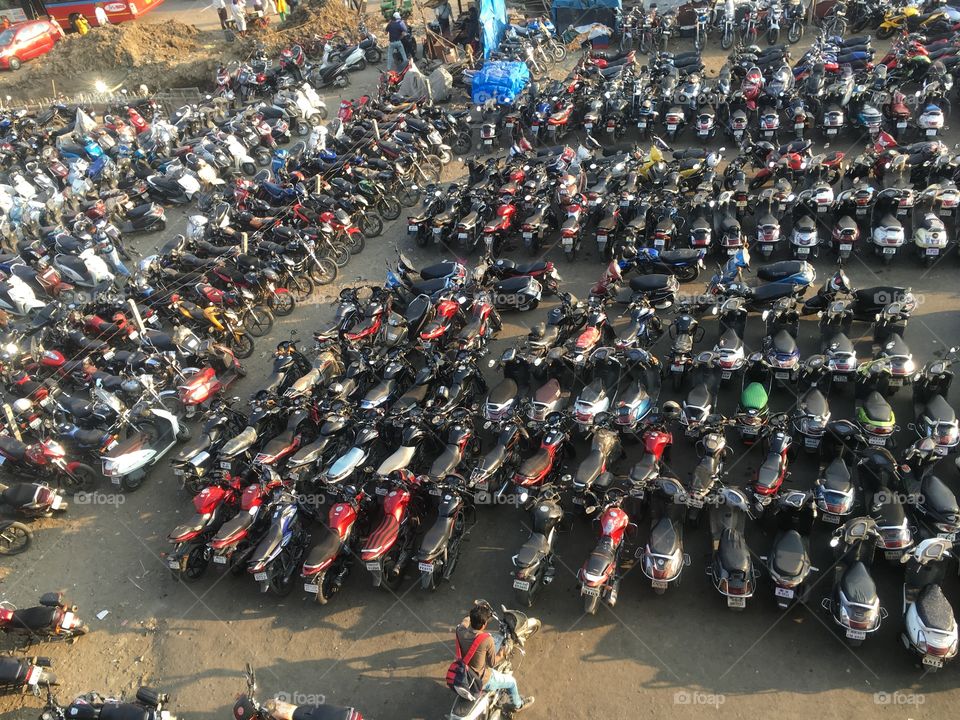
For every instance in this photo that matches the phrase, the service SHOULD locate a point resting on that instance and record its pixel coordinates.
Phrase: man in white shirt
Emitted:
(101, 15)
(221, 7)
(238, 9)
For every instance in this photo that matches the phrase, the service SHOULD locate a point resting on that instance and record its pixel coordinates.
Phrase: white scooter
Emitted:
(243, 162)
(17, 297)
(930, 630)
(353, 61)
(87, 269)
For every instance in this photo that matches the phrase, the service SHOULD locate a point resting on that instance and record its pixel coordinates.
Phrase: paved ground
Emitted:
(683, 655)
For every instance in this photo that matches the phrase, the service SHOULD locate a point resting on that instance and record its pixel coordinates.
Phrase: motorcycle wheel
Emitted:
(262, 156)
(388, 207)
(342, 81)
(689, 273)
(258, 322)
(726, 40)
(68, 296)
(462, 143)
(390, 580)
(281, 586)
(249, 168)
(15, 538)
(197, 563)
(303, 128)
(301, 286)
(356, 242)
(590, 604)
(772, 37)
(431, 581)
(885, 32)
(374, 55)
(194, 485)
(445, 157)
(281, 304)
(571, 255)
(525, 598)
(360, 65)
(370, 224)
(408, 197)
(242, 345)
(83, 478)
(422, 239)
(795, 33)
(530, 305)
(324, 272)
(339, 255)
(559, 52)
(427, 173)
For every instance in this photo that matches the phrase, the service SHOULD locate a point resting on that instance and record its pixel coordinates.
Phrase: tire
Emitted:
(590, 604)
(281, 304)
(303, 128)
(262, 157)
(371, 225)
(462, 143)
(339, 255)
(445, 157)
(357, 241)
(197, 563)
(301, 286)
(15, 538)
(571, 255)
(408, 197)
(249, 169)
(676, 380)
(316, 120)
(726, 40)
(772, 37)
(559, 52)
(374, 55)
(360, 65)
(689, 273)
(241, 345)
(430, 581)
(389, 208)
(428, 174)
(324, 272)
(342, 81)
(281, 586)
(14, 63)
(258, 322)
(82, 478)
(68, 296)
(795, 33)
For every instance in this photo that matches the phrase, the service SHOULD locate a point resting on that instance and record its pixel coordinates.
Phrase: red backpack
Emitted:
(460, 676)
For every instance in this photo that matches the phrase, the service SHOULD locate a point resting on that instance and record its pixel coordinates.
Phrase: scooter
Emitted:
(930, 629)
(731, 568)
(662, 558)
(788, 562)
(155, 430)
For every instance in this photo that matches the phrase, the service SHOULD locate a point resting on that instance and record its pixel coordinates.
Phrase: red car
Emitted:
(25, 41)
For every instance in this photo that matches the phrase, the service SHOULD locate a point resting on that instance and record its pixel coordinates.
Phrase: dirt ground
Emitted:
(682, 655)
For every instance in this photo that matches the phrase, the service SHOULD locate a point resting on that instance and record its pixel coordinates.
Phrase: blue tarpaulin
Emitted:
(493, 21)
(501, 80)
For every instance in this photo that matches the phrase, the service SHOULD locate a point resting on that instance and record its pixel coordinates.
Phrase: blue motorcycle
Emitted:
(685, 263)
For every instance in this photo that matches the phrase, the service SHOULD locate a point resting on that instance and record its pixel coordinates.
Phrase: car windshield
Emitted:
(6, 37)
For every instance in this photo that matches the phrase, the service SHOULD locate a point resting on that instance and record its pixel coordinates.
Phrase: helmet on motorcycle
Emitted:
(21, 406)
(297, 177)
(840, 282)
(328, 155)
(130, 387)
(628, 252)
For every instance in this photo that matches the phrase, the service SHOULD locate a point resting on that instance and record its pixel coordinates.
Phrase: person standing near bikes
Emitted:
(396, 30)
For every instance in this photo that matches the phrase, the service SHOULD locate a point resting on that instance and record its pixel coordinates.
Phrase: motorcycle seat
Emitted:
(269, 544)
(544, 334)
(437, 536)
(124, 711)
(683, 343)
(700, 223)
(836, 476)
(663, 538)
(896, 346)
(429, 287)
(323, 712)
(76, 407)
(683, 255)
(733, 551)
(601, 558)
(535, 465)
(699, 396)
(512, 285)
(847, 224)
(521, 268)
(814, 403)
(934, 609)
(857, 585)
(139, 211)
(533, 550)
(784, 343)
(503, 393)
(589, 469)
(938, 497)
(766, 218)
(771, 291)
(12, 671)
(88, 438)
(890, 222)
(189, 530)
(840, 343)
(607, 72)
(239, 443)
(493, 459)
(939, 410)
(790, 554)
(593, 392)
(19, 495)
(283, 442)
(877, 409)
(769, 471)
(187, 453)
(35, 618)
(784, 268)
(446, 462)
(643, 469)
(326, 542)
(646, 283)
(13, 448)
(704, 473)
(234, 527)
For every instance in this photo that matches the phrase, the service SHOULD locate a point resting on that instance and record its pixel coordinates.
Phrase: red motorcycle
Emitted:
(45, 461)
(496, 231)
(389, 547)
(773, 470)
(598, 576)
(207, 383)
(334, 547)
(445, 316)
(483, 324)
(234, 542)
(536, 470)
(657, 441)
(214, 505)
(752, 87)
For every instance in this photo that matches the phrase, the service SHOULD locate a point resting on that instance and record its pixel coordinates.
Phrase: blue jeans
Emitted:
(504, 681)
(396, 47)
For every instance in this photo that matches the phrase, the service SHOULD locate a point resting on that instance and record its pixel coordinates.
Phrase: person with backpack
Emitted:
(478, 656)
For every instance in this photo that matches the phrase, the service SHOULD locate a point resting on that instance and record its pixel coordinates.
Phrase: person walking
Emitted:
(238, 11)
(221, 7)
(396, 30)
(101, 15)
(282, 9)
(443, 14)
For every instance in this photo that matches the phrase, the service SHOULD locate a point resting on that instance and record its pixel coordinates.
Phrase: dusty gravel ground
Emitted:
(681, 655)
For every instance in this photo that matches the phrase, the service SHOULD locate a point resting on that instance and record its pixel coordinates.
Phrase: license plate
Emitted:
(488, 141)
(784, 592)
(822, 208)
(178, 471)
(588, 126)
(831, 131)
(781, 375)
(933, 251)
(802, 251)
(534, 129)
(940, 450)
(659, 584)
(671, 127)
(413, 228)
(373, 566)
(736, 602)
(609, 128)
(311, 588)
(952, 537)
(875, 440)
(811, 442)
(108, 355)
(846, 247)
(33, 677)
(437, 231)
(112, 444)
(857, 634)
(219, 559)
(509, 126)
(659, 243)
(902, 124)
(832, 519)
(889, 250)
(861, 211)
(592, 591)
(726, 374)
(895, 382)
(933, 661)
(892, 554)
(641, 125)
(224, 464)
(799, 126)
(521, 585)
(945, 212)
(381, 491)
(56, 502)
(526, 235)
(601, 238)
(839, 378)
(173, 563)
(695, 502)
(425, 567)
(118, 481)
(741, 203)
(931, 131)
(749, 431)
(260, 577)
(578, 500)
(435, 491)
(768, 133)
